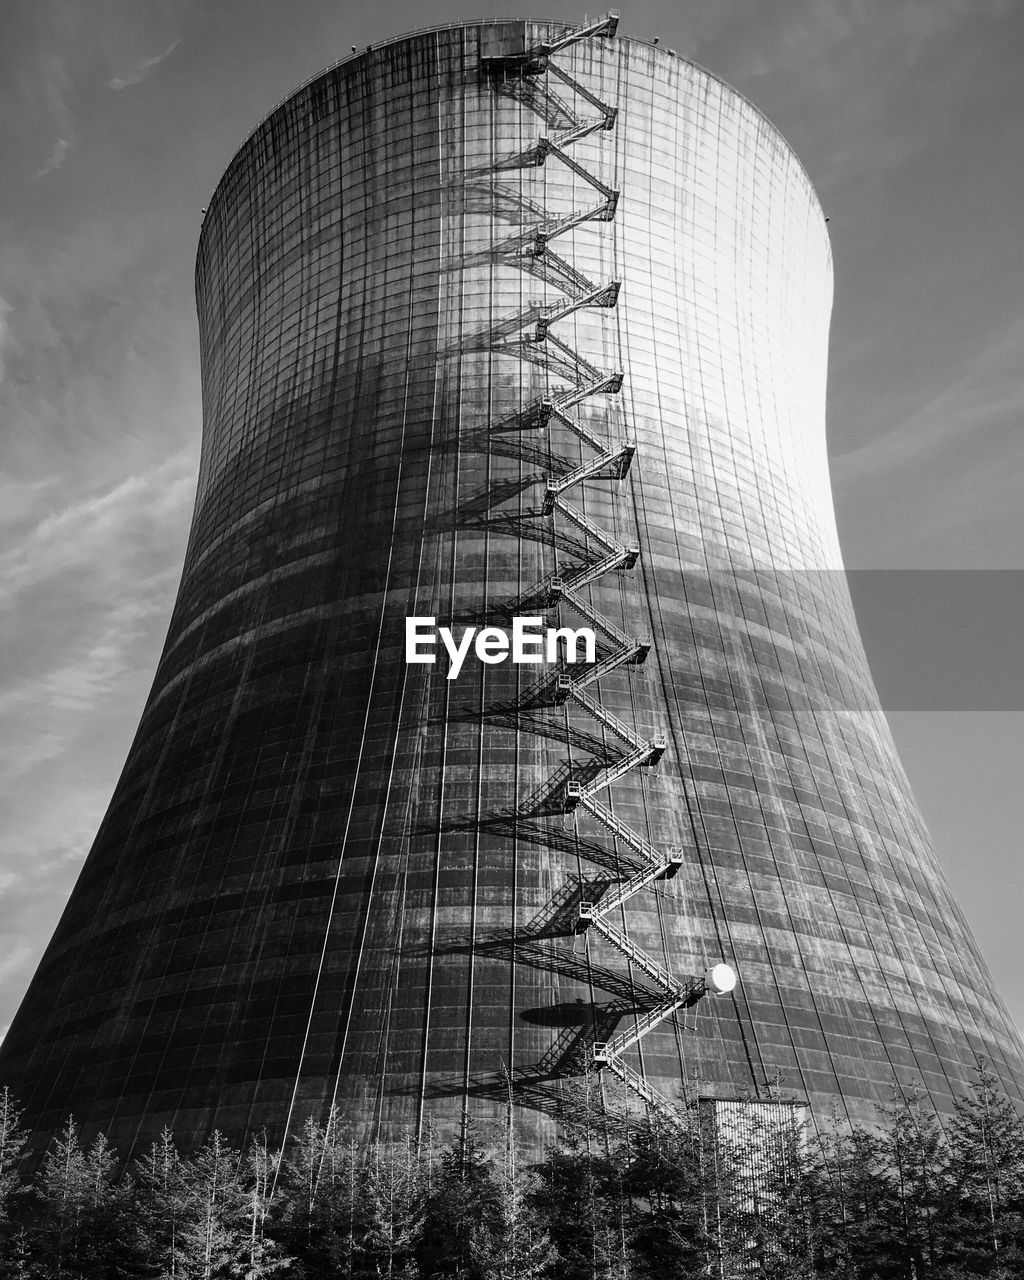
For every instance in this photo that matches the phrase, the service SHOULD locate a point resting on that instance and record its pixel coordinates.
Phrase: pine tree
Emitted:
(215, 1227)
(161, 1205)
(663, 1180)
(862, 1207)
(787, 1213)
(318, 1211)
(391, 1211)
(13, 1139)
(828, 1177)
(526, 1251)
(986, 1171)
(914, 1159)
(581, 1192)
(262, 1255)
(462, 1235)
(84, 1226)
(111, 1244)
(888, 1196)
(60, 1193)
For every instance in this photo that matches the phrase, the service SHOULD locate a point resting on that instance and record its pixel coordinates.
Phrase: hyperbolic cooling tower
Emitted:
(507, 320)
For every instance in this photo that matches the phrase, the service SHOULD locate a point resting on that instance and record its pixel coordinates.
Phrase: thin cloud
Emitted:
(89, 584)
(985, 394)
(88, 674)
(6, 335)
(14, 960)
(71, 655)
(141, 70)
(49, 89)
(29, 756)
(33, 892)
(50, 845)
(58, 154)
(91, 532)
(22, 500)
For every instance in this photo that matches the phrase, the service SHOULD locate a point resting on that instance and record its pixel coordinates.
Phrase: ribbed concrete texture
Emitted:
(329, 874)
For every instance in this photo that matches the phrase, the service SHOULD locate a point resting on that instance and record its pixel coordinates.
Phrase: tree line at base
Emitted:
(620, 1197)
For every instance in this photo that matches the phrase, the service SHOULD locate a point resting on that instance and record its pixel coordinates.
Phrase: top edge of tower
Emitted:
(554, 25)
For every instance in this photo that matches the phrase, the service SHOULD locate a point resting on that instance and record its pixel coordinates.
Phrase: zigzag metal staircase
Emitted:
(531, 336)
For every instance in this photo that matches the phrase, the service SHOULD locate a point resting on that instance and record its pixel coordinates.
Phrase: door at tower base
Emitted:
(758, 1143)
(751, 1153)
(537, 336)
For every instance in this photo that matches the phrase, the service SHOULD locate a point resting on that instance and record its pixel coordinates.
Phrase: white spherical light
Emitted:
(720, 978)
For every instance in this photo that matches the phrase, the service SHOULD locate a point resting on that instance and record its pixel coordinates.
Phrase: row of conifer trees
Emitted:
(619, 1198)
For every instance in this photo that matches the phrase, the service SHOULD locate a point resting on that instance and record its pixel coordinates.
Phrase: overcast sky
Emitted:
(117, 118)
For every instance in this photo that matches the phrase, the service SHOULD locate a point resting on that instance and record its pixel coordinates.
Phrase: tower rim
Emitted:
(352, 59)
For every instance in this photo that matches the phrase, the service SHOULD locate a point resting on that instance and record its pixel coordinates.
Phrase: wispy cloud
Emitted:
(14, 960)
(88, 673)
(85, 587)
(876, 26)
(58, 154)
(6, 335)
(52, 844)
(34, 888)
(983, 395)
(96, 578)
(141, 69)
(99, 530)
(22, 500)
(51, 90)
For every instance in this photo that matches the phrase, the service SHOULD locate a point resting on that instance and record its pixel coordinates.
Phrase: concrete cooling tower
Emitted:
(514, 348)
